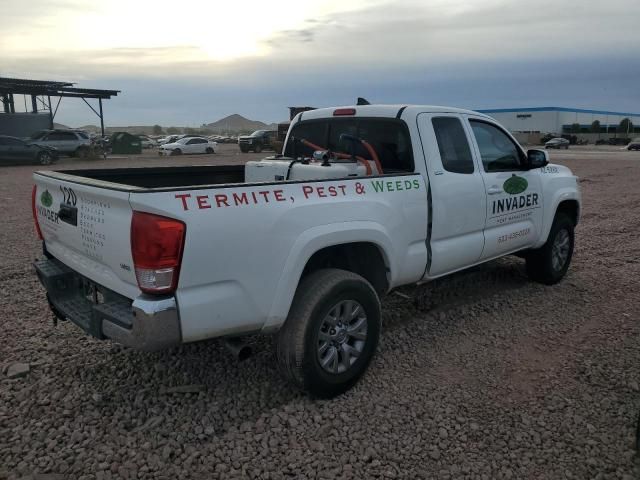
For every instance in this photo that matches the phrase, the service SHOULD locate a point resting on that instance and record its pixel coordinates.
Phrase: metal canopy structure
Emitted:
(39, 89)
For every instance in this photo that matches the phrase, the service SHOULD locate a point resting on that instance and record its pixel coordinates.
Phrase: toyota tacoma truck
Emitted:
(302, 244)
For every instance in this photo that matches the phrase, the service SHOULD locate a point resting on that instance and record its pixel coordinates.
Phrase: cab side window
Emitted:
(61, 136)
(453, 145)
(499, 153)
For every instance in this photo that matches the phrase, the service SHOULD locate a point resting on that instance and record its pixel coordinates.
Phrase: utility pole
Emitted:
(101, 117)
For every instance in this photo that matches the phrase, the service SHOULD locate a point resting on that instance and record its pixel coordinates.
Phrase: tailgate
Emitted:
(87, 228)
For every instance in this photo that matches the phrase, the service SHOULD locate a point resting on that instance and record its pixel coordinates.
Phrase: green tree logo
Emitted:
(46, 199)
(515, 185)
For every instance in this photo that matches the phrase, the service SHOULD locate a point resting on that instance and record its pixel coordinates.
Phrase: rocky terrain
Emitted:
(482, 375)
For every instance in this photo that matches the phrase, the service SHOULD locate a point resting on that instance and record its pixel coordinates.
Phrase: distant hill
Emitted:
(60, 126)
(237, 123)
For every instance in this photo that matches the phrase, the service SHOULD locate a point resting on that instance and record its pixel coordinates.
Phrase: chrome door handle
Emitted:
(494, 190)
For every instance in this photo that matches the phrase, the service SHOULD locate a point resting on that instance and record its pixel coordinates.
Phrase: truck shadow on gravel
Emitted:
(459, 290)
(200, 391)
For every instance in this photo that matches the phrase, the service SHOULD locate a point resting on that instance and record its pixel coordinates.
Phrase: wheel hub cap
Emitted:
(342, 336)
(560, 250)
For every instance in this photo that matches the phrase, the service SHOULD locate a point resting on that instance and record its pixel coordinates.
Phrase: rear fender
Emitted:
(310, 242)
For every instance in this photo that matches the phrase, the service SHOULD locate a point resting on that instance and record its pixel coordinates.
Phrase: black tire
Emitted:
(176, 151)
(45, 158)
(209, 150)
(243, 150)
(566, 147)
(82, 153)
(257, 148)
(298, 341)
(638, 435)
(540, 262)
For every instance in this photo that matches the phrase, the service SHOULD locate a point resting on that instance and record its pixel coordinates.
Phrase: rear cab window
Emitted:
(389, 137)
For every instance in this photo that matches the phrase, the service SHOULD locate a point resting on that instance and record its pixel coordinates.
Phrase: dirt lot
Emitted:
(481, 375)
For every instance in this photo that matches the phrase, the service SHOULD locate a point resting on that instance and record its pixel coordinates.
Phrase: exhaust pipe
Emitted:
(238, 348)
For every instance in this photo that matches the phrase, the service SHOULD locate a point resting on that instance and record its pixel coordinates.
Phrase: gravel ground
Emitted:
(480, 375)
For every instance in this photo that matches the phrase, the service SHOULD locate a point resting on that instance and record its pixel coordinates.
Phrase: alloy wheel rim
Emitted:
(560, 250)
(342, 336)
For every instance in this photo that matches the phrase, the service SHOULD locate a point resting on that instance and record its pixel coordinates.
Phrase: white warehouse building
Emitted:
(559, 120)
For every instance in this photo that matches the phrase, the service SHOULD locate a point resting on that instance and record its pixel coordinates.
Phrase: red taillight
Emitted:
(156, 245)
(340, 112)
(35, 212)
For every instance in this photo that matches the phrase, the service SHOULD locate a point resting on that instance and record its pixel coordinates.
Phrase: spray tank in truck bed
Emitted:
(324, 164)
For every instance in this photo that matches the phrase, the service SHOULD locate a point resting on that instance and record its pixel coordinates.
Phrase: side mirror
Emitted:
(537, 159)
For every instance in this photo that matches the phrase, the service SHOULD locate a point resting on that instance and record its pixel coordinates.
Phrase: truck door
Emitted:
(513, 193)
(457, 198)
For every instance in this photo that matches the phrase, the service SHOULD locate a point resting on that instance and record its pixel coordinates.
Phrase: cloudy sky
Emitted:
(192, 62)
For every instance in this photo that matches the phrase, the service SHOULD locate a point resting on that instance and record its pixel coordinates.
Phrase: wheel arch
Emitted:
(363, 258)
(344, 246)
(571, 208)
(566, 200)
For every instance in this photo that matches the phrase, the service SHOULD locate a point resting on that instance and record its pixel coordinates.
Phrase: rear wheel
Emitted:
(550, 263)
(82, 152)
(209, 150)
(45, 158)
(257, 148)
(331, 333)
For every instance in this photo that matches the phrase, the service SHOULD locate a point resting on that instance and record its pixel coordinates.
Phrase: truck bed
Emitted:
(156, 177)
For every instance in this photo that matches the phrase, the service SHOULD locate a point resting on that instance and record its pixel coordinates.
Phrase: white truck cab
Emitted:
(363, 199)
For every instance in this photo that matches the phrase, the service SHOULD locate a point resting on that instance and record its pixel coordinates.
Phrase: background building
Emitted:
(559, 120)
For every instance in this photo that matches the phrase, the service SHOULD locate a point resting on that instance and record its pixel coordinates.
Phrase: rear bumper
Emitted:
(146, 323)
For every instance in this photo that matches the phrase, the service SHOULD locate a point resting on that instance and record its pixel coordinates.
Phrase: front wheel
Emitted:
(82, 153)
(550, 263)
(45, 158)
(177, 151)
(209, 150)
(257, 148)
(331, 333)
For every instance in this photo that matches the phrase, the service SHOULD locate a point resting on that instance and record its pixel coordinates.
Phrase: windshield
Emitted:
(389, 138)
(257, 133)
(37, 135)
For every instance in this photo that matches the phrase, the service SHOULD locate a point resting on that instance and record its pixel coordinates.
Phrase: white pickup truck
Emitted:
(362, 200)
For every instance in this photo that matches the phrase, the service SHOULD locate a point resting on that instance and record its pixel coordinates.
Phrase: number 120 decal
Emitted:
(68, 195)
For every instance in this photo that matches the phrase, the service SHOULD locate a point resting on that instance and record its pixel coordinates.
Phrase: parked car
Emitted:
(619, 141)
(223, 139)
(147, 142)
(634, 144)
(382, 196)
(168, 139)
(16, 151)
(188, 145)
(546, 137)
(74, 143)
(557, 143)
(257, 141)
